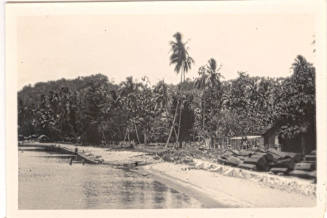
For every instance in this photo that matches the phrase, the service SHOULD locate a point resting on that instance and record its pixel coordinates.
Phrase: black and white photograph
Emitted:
(165, 105)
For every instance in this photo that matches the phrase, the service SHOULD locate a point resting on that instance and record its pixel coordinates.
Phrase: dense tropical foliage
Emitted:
(93, 110)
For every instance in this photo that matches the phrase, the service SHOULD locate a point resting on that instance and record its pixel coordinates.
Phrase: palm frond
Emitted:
(180, 56)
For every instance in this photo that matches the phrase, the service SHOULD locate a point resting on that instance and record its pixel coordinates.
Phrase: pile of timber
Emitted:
(257, 160)
(283, 162)
(251, 160)
(307, 167)
(276, 162)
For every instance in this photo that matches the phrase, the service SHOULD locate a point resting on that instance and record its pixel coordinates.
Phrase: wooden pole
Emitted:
(172, 127)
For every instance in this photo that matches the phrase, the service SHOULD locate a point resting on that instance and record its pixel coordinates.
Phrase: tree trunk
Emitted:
(172, 126)
(179, 127)
(207, 142)
(203, 112)
(137, 134)
(145, 139)
(212, 141)
(180, 144)
(104, 136)
(125, 136)
(303, 144)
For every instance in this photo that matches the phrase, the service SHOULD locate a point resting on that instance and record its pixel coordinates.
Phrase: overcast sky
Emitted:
(54, 47)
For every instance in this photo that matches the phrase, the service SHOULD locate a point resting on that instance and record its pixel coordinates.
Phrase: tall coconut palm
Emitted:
(182, 61)
(180, 56)
(209, 80)
(214, 74)
(209, 76)
(300, 65)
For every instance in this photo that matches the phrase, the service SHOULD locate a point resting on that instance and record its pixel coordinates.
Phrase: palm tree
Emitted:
(182, 61)
(209, 76)
(161, 95)
(180, 56)
(129, 86)
(300, 64)
(209, 80)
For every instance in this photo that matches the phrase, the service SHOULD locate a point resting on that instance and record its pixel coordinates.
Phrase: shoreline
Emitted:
(187, 188)
(214, 185)
(232, 191)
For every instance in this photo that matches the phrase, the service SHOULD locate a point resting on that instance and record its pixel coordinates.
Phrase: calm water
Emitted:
(47, 181)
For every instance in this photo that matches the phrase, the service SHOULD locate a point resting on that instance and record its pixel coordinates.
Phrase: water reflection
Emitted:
(158, 191)
(51, 183)
(127, 196)
(90, 194)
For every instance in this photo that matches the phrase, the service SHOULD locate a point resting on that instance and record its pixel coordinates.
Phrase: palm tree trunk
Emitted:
(178, 140)
(179, 126)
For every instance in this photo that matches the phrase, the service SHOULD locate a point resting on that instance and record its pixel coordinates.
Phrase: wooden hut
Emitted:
(250, 141)
(303, 143)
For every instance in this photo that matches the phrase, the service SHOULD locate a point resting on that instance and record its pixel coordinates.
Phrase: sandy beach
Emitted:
(231, 191)
(213, 184)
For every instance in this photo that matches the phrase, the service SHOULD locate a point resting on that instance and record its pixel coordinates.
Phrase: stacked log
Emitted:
(310, 158)
(304, 174)
(229, 158)
(259, 160)
(283, 162)
(306, 168)
(277, 162)
(248, 166)
(279, 170)
(245, 153)
(295, 156)
(251, 160)
(234, 160)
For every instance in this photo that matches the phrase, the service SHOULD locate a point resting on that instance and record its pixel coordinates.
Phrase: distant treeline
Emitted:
(93, 110)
